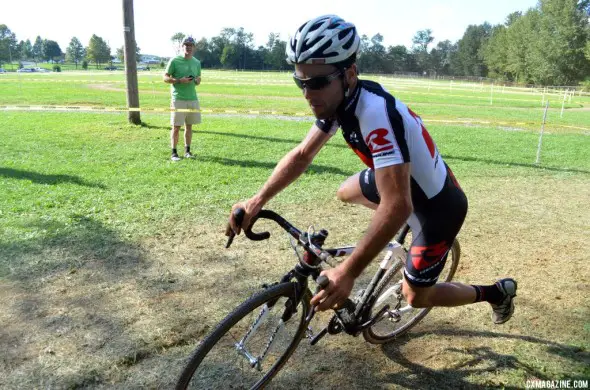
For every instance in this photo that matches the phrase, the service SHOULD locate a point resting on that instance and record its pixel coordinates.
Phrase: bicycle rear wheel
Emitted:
(251, 344)
(389, 292)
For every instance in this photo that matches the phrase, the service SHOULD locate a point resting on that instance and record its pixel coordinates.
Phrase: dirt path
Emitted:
(80, 315)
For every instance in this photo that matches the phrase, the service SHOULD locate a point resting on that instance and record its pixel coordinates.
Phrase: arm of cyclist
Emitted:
(291, 166)
(393, 184)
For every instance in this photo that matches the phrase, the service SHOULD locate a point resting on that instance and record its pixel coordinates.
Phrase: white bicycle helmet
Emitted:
(327, 39)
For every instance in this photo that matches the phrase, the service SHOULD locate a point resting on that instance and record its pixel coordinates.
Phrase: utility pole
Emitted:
(130, 63)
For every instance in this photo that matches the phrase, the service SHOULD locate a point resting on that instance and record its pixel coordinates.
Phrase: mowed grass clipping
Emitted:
(112, 264)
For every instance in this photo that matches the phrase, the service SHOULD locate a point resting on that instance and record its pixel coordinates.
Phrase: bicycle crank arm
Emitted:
(374, 320)
(318, 336)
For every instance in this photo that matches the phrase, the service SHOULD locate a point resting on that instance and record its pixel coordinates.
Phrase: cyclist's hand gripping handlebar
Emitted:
(239, 218)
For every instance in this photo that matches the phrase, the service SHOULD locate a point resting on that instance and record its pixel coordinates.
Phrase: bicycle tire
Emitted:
(371, 335)
(283, 290)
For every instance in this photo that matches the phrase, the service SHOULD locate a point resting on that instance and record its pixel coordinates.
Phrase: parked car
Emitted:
(41, 70)
(110, 68)
(25, 70)
(2, 70)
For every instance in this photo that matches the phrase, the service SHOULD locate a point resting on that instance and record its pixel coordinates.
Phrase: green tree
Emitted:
(398, 57)
(75, 51)
(420, 43)
(274, 52)
(51, 50)
(98, 51)
(440, 57)
(177, 41)
(27, 50)
(557, 55)
(38, 49)
(470, 50)
(121, 53)
(373, 55)
(8, 45)
(203, 53)
(495, 54)
(229, 56)
(235, 46)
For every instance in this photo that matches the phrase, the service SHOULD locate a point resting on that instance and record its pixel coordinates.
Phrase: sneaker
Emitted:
(175, 157)
(188, 155)
(503, 310)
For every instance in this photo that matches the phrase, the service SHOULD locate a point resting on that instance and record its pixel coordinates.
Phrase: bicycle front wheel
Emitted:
(389, 292)
(251, 344)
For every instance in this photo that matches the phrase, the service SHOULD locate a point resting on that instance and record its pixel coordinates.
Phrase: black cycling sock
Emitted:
(174, 151)
(187, 149)
(491, 294)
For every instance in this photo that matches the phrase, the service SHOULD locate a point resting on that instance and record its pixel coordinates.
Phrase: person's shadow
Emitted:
(42, 178)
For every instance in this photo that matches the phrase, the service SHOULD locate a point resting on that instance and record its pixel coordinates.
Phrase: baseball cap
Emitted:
(188, 41)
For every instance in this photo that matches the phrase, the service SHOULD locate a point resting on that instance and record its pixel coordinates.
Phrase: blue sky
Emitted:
(157, 21)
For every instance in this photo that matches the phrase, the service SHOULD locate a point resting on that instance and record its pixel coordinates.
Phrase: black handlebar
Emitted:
(266, 214)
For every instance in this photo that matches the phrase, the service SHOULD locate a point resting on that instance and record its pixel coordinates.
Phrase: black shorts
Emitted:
(434, 223)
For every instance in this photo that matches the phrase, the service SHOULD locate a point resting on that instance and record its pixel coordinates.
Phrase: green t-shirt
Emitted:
(179, 67)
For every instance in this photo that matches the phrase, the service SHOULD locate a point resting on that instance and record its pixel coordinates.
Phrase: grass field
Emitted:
(112, 264)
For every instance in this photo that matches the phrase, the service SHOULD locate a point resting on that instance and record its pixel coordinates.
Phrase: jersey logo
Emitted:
(377, 141)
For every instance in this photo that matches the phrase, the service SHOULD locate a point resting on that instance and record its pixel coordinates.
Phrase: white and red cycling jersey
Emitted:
(383, 131)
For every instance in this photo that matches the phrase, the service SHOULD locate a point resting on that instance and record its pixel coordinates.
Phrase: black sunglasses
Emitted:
(315, 83)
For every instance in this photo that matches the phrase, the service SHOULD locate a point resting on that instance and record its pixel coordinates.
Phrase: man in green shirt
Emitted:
(184, 73)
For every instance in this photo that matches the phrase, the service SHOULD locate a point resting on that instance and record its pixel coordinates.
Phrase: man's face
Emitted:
(188, 48)
(324, 101)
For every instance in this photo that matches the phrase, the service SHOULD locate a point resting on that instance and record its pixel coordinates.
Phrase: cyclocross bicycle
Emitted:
(252, 343)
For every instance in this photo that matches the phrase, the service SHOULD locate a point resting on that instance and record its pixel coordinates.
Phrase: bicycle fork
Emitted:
(256, 362)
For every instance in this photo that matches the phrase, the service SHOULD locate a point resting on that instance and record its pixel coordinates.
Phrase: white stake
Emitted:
(492, 94)
(541, 135)
(563, 103)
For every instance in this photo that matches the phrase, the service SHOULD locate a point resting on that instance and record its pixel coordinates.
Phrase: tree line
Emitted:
(546, 45)
(97, 51)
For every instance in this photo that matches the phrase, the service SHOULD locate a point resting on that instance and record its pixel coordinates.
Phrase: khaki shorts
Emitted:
(189, 118)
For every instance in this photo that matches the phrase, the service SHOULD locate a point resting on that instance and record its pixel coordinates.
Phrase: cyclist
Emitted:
(406, 178)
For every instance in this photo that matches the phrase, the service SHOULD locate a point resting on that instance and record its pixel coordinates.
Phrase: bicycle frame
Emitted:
(359, 320)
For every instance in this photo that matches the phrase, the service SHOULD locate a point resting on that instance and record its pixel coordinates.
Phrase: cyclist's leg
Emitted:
(360, 189)
(434, 229)
(432, 240)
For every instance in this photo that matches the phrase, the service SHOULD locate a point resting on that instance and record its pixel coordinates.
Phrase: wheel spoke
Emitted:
(249, 346)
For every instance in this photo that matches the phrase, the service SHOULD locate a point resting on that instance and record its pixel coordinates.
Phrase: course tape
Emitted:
(125, 109)
(251, 112)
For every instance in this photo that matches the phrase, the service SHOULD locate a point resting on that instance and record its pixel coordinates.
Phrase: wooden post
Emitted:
(130, 63)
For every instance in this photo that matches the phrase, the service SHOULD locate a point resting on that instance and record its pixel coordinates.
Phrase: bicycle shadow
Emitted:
(41, 178)
(456, 376)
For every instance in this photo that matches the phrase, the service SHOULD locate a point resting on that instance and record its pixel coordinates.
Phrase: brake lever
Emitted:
(239, 215)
